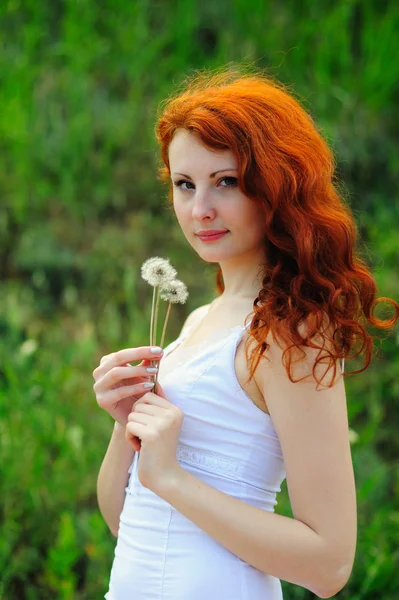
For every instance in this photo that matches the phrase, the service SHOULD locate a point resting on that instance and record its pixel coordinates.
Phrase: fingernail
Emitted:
(152, 369)
(156, 349)
(148, 385)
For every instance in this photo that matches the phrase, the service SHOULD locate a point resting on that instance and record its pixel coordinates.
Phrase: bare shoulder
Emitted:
(291, 404)
(311, 422)
(302, 359)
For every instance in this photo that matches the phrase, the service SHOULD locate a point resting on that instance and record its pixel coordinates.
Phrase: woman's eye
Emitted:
(232, 179)
(179, 184)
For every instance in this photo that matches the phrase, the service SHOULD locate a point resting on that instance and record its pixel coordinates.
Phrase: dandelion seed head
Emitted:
(158, 271)
(175, 292)
(28, 347)
(353, 436)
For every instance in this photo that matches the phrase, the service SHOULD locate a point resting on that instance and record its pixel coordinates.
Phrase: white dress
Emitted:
(229, 443)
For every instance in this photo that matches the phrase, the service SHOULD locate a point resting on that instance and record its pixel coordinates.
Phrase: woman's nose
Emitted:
(203, 206)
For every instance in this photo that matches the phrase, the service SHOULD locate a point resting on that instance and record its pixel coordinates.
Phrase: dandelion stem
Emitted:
(152, 329)
(165, 324)
(152, 341)
(156, 363)
(156, 313)
(162, 340)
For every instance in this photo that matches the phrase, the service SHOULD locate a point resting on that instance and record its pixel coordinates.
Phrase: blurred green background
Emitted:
(81, 209)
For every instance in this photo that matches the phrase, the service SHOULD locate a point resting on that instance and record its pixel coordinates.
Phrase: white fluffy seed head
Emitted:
(174, 292)
(158, 271)
(353, 436)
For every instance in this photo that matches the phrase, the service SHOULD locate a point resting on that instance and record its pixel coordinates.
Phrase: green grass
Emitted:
(81, 209)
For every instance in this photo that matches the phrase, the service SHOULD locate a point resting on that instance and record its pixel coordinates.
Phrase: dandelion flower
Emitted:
(160, 274)
(175, 292)
(158, 271)
(353, 436)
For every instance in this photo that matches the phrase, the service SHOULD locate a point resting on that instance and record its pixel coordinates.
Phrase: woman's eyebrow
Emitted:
(211, 175)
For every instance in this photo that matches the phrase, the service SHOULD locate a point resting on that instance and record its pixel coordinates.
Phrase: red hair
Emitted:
(313, 275)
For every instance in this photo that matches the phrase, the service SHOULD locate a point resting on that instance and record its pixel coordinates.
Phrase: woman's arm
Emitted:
(316, 548)
(113, 477)
(280, 546)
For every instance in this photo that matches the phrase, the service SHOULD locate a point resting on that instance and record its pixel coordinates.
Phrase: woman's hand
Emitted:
(154, 428)
(118, 384)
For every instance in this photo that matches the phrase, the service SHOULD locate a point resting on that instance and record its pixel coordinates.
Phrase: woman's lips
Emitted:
(212, 238)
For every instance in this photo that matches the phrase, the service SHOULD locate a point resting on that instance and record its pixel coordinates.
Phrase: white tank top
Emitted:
(229, 443)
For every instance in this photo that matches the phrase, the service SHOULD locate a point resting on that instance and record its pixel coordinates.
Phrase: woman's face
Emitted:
(206, 196)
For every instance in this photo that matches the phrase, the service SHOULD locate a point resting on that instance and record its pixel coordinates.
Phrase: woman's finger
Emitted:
(142, 418)
(122, 357)
(148, 409)
(135, 430)
(156, 400)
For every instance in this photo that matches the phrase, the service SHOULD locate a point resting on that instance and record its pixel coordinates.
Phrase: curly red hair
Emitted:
(314, 281)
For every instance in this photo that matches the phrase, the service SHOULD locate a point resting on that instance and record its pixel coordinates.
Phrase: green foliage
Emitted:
(81, 209)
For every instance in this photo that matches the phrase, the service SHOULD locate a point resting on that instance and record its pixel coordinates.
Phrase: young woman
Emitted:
(252, 188)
